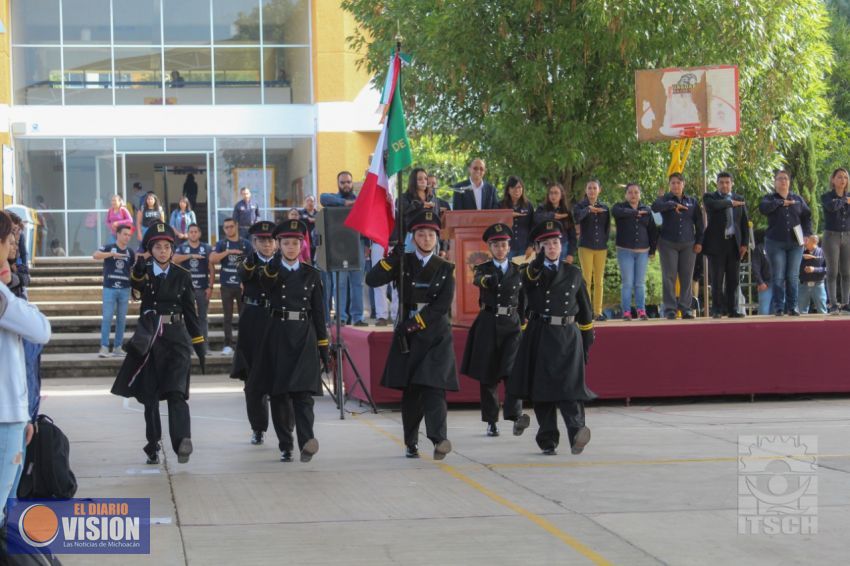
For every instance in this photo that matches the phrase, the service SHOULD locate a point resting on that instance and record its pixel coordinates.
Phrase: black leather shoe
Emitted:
(411, 451)
(580, 441)
(550, 452)
(442, 448)
(601, 318)
(361, 323)
(778, 313)
(794, 312)
(717, 315)
(286, 456)
(520, 424)
(257, 438)
(670, 316)
(153, 459)
(737, 315)
(310, 448)
(184, 450)
(492, 429)
(687, 316)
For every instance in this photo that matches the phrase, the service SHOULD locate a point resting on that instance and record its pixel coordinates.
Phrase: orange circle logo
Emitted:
(38, 525)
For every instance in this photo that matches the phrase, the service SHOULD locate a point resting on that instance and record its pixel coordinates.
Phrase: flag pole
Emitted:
(399, 219)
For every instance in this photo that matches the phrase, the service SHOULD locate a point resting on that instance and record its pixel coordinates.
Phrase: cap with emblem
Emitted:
(158, 231)
(425, 219)
(546, 230)
(262, 229)
(497, 232)
(290, 229)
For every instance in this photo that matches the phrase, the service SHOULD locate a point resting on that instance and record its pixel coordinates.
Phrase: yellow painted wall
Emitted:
(343, 151)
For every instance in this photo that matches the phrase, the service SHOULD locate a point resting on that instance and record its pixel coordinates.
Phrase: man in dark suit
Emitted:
(475, 193)
(725, 243)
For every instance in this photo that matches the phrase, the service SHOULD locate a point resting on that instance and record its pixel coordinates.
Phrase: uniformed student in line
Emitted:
(421, 360)
(159, 356)
(194, 255)
(294, 349)
(550, 366)
(255, 273)
(494, 337)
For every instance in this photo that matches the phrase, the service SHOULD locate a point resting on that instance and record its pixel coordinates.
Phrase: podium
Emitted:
(464, 228)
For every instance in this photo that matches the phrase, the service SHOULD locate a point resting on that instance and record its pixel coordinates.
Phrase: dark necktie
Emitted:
(730, 219)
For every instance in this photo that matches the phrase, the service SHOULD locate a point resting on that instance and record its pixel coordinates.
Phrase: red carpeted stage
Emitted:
(660, 358)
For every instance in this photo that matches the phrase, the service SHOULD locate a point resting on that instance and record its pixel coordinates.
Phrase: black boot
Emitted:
(257, 438)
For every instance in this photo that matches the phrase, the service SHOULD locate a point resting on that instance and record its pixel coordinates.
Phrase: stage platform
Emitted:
(661, 358)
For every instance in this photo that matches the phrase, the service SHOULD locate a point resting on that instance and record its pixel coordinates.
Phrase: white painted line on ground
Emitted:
(143, 471)
(160, 520)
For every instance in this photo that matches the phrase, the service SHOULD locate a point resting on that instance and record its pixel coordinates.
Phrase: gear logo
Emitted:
(777, 484)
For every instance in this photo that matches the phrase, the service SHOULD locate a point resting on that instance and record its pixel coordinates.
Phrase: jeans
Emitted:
(32, 355)
(765, 300)
(115, 301)
(815, 294)
(12, 440)
(677, 262)
(381, 308)
(836, 250)
(351, 287)
(633, 275)
(785, 259)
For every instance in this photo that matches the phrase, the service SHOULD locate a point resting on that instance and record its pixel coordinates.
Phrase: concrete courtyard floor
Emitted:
(658, 484)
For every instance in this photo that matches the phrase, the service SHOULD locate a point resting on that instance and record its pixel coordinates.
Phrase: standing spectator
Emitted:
(18, 319)
(812, 274)
(18, 258)
(246, 212)
(726, 240)
(679, 243)
(475, 193)
(149, 214)
(198, 254)
(557, 207)
(789, 221)
(137, 197)
(118, 215)
(308, 216)
(190, 190)
(118, 259)
(45, 225)
(229, 252)
(637, 236)
(414, 200)
(594, 219)
(523, 212)
(181, 218)
(761, 274)
(350, 282)
(836, 239)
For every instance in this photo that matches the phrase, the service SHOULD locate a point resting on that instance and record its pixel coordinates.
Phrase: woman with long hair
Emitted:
(181, 218)
(557, 207)
(637, 236)
(523, 211)
(415, 199)
(150, 213)
(118, 215)
(836, 239)
(594, 219)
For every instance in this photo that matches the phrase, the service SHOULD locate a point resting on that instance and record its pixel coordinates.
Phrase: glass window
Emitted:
(290, 160)
(287, 74)
(90, 173)
(85, 21)
(237, 75)
(139, 144)
(136, 22)
(286, 22)
(51, 237)
(35, 21)
(138, 75)
(236, 21)
(87, 231)
(88, 75)
(186, 21)
(189, 144)
(189, 79)
(40, 173)
(37, 75)
(239, 162)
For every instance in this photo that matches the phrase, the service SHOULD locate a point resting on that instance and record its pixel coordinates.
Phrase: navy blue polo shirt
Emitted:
(836, 212)
(634, 232)
(116, 271)
(246, 214)
(595, 228)
(679, 227)
(199, 268)
(228, 275)
(782, 219)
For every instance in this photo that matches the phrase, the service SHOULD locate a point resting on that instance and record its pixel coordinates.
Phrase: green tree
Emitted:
(545, 89)
(802, 164)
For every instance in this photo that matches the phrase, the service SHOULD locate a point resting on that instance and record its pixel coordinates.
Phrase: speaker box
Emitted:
(339, 247)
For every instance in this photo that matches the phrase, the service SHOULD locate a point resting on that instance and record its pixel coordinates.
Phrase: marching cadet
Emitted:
(159, 356)
(294, 350)
(494, 337)
(254, 319)
(550, 365)
(421, 361)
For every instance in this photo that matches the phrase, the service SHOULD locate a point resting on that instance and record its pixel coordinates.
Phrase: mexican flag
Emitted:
(373, 213)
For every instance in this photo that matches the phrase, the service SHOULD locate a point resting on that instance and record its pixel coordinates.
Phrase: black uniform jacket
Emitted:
(493, 339)
(714, 237)
(165, 367)
(428, 293)
(289, 359)
(255, 314)
(551, 360)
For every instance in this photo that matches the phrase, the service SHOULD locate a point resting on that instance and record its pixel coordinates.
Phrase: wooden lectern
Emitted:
(464, 228)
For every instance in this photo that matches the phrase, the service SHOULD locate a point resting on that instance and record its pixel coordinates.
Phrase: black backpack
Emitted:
(47, 468)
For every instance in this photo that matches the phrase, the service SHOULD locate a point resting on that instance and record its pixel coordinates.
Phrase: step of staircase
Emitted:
(91, 323)
(60, 293)
(89, 342)
(95, 308)
(90, 365)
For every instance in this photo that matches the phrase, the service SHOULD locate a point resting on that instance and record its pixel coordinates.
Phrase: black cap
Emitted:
(262, 229)
(158, 231)
(290, 229)
(497, 232)
(546, 230)
(425, 219)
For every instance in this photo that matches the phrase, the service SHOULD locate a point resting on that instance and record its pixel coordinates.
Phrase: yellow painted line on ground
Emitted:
(598, 463)
(541, 522)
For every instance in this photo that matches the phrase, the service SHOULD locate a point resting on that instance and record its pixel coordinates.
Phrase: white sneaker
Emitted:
(227, 351)
(118, 353)
(104, 352)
